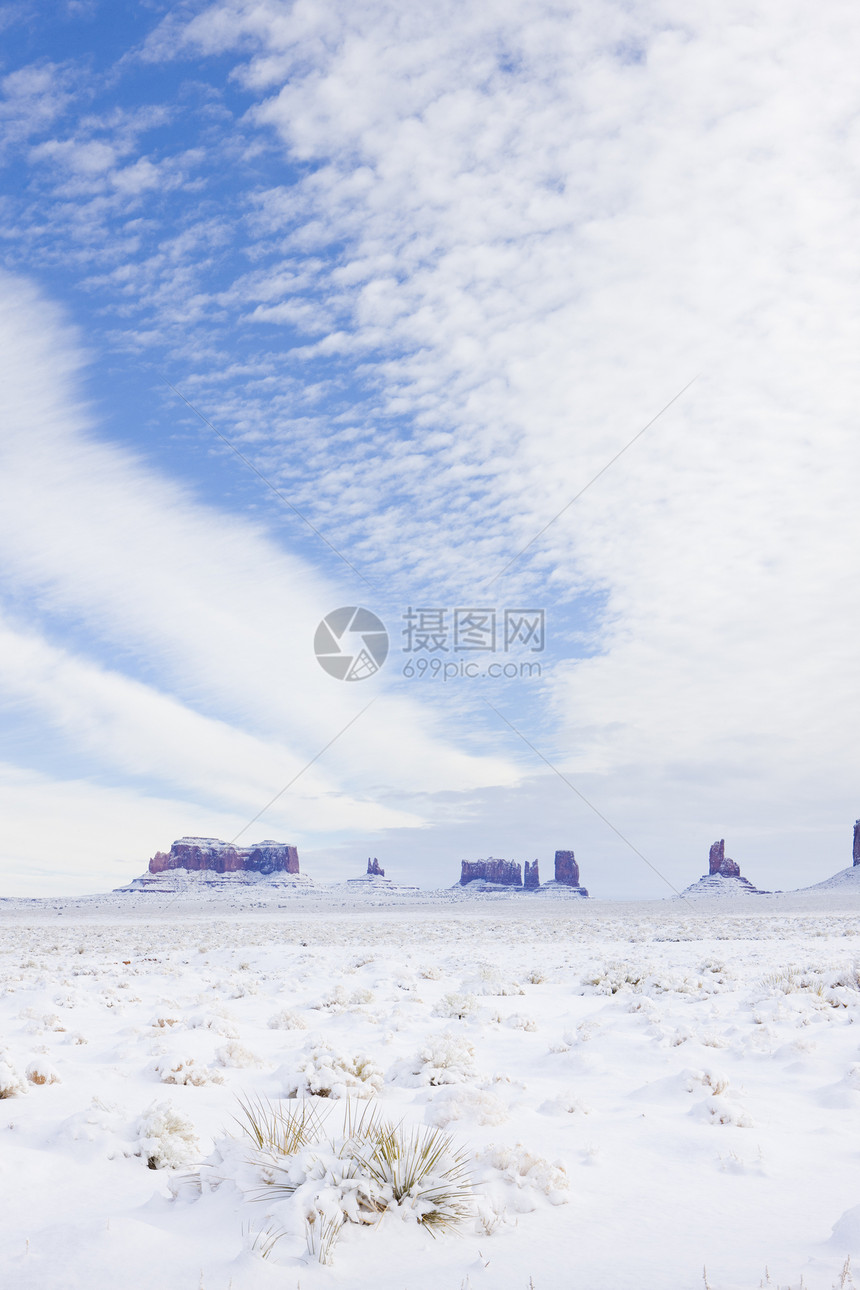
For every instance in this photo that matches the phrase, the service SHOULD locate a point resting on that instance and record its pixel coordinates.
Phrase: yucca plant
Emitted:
(281, 1130)
(265, 1240)
(321, 1233)
(423, 1167)
(384, 1165)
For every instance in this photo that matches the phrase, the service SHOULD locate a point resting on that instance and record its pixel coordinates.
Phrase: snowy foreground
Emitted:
(636, 1093)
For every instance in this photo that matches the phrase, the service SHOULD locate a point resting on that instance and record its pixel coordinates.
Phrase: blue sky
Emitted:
(429, 272)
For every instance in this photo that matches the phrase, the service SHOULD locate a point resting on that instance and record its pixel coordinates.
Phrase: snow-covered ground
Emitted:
(637, 1092)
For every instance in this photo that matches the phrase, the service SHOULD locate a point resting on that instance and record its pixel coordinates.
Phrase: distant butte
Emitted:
(566, 876)
(718, 863)
(493, 874)
(723, 878)
(501, 873)
(215, 856)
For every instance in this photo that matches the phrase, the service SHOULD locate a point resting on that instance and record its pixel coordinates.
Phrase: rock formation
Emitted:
(222, 857)
(857, 842)
(506, 873)
(373, 869)
(723, 878)
(566, 869)
(566, 878)
(532, 878)
(718, 862)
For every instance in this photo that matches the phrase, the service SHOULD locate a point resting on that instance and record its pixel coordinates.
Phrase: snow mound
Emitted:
(717, 884)
(846, 880)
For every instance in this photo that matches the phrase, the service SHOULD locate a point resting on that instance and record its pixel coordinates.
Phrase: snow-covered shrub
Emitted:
(418, 1170)
(613, 977)
(712, 1040)
(490, 981)
(322, 1072)
(466, 1103)
(287, 1019)
(520, 1021)
(716, 1083)
(525, 1175)
(101, 1125)
(41, 1071)
(441, 1059)
(220, 1021)
(165, 1139)
(184, 1070)
(718, 1108)
(41, 1021)
(313, 1181)
(234, 1054)
(563, 1104)
(456, 1005)
(341, 1000)
(240, 986)
(609, 978)
(12, 1083)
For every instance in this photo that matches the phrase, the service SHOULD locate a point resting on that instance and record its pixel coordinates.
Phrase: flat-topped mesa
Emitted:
(531, 880)
(718, 862)
(566, 869)
(506, 873)
(857, 842)
(212, 854)
(373, 869)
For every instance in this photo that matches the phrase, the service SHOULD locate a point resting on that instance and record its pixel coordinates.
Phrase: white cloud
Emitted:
(99, 546)
(550, 221)
(33, 97)
(71, 836)
(132, 731)
(90, 157)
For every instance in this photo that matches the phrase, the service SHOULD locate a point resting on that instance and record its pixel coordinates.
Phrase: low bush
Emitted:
(370, 1166)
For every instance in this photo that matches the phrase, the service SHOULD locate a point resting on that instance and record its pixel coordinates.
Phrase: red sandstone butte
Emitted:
(212, 854)
(507, 873)
(718, 862)
(531, 880)
(566, 869)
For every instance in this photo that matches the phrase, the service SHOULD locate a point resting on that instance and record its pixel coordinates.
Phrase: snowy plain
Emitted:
(641, 1092)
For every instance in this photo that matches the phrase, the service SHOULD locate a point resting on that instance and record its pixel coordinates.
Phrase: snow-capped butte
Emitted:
(723, 878)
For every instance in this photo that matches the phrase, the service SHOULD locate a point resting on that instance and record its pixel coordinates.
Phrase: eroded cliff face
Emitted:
(857, 842)
(507, 873)
(222, 857)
